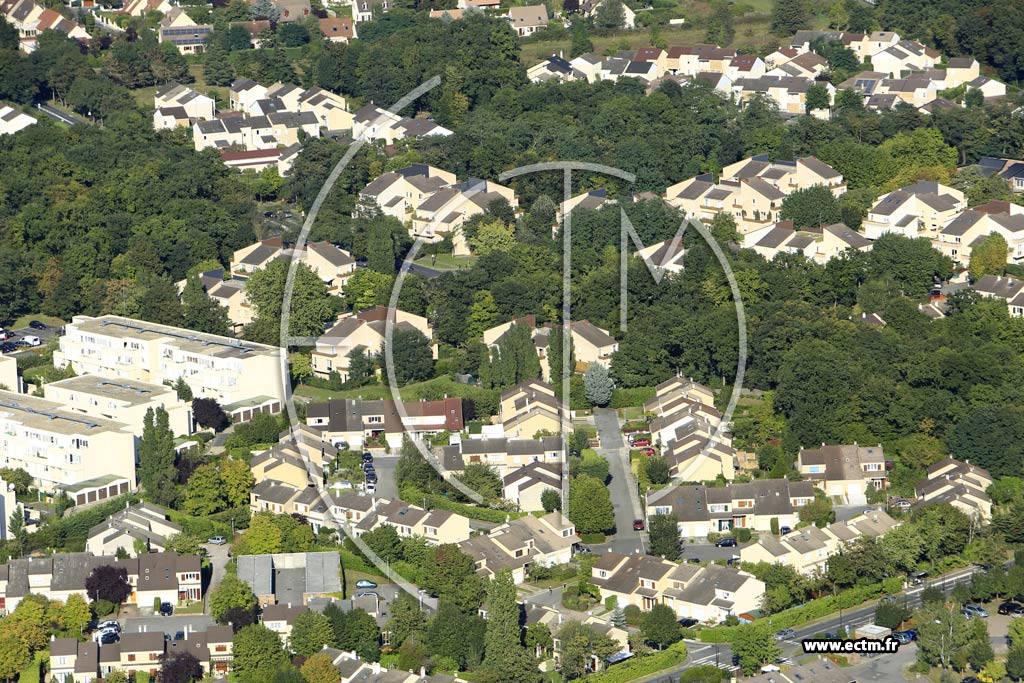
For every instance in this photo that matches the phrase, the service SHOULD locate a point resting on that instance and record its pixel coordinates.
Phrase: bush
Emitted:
(101, 608)
(611, 602)
(742, 534)
(580, 597)
(640, 667)
(156, 604)
(592, 539)
(637, 396)
(775, 526)
(633, 615)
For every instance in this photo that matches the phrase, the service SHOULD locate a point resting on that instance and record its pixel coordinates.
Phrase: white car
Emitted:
(31, 340)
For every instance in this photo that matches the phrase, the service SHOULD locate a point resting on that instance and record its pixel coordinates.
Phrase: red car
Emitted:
(647, 451)
(638, 525)
(640, 442)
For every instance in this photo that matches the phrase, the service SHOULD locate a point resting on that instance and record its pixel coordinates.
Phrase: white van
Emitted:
(31, 341)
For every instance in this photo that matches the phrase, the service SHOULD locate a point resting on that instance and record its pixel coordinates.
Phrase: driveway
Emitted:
(621, 487)
(384, 465)
(218, 555)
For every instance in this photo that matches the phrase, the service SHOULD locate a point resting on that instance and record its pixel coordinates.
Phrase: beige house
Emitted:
(918, 210)
(1009, 289)
(751, 190)
(527, 19)
(280, 618)
(502, 454)
(373, 123)
(521, 543)
(444, 212)
(363, 330)
(906, 55)
(244, 377)
(331, 110)
(351, 423)
(30, 19)
(12, 120)
(686, 430)
(174, 95)
(531, 407)
(847, 472)
(332, 264)
(960, 484)
(438, 527)
(178, 29)
(60, 448)
(807, 549)
(958, 237)
(820, 244)
(591, 344)
(702, 510)
(9, 380)
(526, 485)
(143, 523)
(399, 193)
(708, 594)
(121, 400)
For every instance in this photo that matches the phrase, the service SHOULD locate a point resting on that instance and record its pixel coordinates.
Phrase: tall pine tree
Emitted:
(217, 68)
(156, 457)
(789, 16)
(202, 313)
(504, 653)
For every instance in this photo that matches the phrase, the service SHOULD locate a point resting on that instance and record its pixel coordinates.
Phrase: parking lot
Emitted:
(14, 344)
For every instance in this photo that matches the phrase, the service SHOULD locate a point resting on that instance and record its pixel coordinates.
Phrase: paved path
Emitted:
(58, 115)
(218, 555)
(622, 486)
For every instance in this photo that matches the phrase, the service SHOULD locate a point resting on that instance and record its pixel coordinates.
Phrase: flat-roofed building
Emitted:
(245, 377)
(59, 448)
(121, 400)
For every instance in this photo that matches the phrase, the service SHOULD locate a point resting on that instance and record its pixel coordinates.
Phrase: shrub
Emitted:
(611, 602)
(637, 396)
(102, 608)
(633, 615)
(642, 666)
(742, 534)
(593, 539)
(775, 526)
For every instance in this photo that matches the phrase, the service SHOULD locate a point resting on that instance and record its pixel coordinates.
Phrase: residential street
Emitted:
(218, 555)
(622, 487)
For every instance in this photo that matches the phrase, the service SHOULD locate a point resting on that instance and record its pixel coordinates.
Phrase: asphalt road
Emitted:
(387, 487)
(429, 273)
(58, 115)
(621, 487)
(218, 555)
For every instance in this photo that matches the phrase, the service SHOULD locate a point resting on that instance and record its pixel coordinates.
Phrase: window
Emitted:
(131, 658)
(815, 469)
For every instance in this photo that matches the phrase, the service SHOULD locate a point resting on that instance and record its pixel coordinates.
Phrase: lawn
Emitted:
(47, 320)
(445, 261)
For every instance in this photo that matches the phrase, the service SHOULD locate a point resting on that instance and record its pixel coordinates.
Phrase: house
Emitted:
(906, 55)
(244, 93)
(589, 9)
(331, 110)
(521, 543)
(591, 344)
(687, 430)
(383, 422)
(73, 661)
(960, 484)
(593, 199)
(960, 70)
(212, 648)
(745, 66)
(173, 95)
(1008, 289)
(553, 68)
(708, 594)
(366, 331)
(918, 210)
(280, 128)
(528, 19)
(60, 448)
(788, 92)
(373, 123)
(362, 10)
(292, 10)
(694, 59)
(168, 576)
(989, 88)
(958, 238)
(280, 618)
(437, 527)
(751, 190)
(245, 377)
(12, 120)
(848, 472)
(529, 408)
(138, 8)
(1010, 170)
(280, 158)
(526, 485)
(255, 29)
(332, 264)
(448, 14)
(820, 244)
(399, 193)
(30, 19)
(808, 548)
(121, 400)
(589, 65)
(177, 28)
(444, 212)
(338, 29)
(666, 255)
(143, 523)
(701, 510)
(505, 455)
(291, 578)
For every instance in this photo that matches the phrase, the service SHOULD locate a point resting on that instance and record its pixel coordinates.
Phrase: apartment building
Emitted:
(61, 449)
(701, 510)
(807, 549)
(143, 523)
(9, 379)
(360, 424)
(398, 193)
(168, 576)
(436, 526)
(245, 377)
(365, 330)
(751, 190)
(121, 400)
(521, 543)
(708, 594)
(918, 210)
(281, 128)
(848, 472)
(960, 484)
(291, 578)
(820, 244)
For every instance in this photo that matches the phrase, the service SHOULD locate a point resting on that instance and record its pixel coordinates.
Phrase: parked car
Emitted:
(1017, 598)
(783, 530)
(905, 637)
(368, 594)
(179, 635)
(968, 614)
(785, 634)
(688, 622)
(370, 487)
(217, 540)
(4, 334)
(888, 598)
(367, 457)
(371, 477)
(638, 525)
(8, 347)
(36, 325)
(648, 451)
(976, 610)
(108, 625)
(1012, 608)
(365, 583)
(830, 635)
(726, 543)
(109, 637)
(30, 340)
(166, 609)
(640, 443)
(918, 578)
(367, 465)
(583, 549)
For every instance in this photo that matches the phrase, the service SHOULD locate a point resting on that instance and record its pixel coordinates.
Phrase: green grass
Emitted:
(47, 320)
(144, 96)
(631, 413)
(445, 262)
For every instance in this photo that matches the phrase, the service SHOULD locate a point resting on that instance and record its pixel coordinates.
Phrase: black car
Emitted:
(367, 457)
(1017, 598)
(371, 477)
(166, 609)
(108, 638)
(36, 325)
(367, 464)
(688, 622)
(726, 543)
(8, 347)
(784, 530)
(1011, 608)
(179, 635)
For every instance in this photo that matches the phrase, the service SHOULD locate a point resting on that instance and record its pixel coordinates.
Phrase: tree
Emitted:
(263, 536)
(180, 667)
(200, 312)
(818, 512)
(580, 643)
(450, 574)
(320, 669)
(1015, 663)
(14, 657)
(551, 500)
(483, 314)
(355, 631)
(18, 478)
(817, 97)
(989, 257)
(209, 414)
(789, 16)
(16, 527)
(231, 594)
(891, 613)
(407, 619)
(264, 9)
(598, 385)
(311, 305)
(720, 29)
(754, 644)
(590, 505)
(75, 615)
(107, 582)
(811, 207)
(204, 493)
(156, 457)
(483, 479)
(159, 302)
(384, 541)
(491, 237)
(412, 354)
(580, 40)
(310, 633)
(657, 469)
(182, 390)
(660, 627)
(217, 68)
(184, 543)
(664, 536)
(942, 632)
(610, 14)
(257, 650)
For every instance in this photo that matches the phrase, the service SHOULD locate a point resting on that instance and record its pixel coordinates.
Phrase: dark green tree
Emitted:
(789, 16)
(580, 39)
(257, 651)
(811, 207)
(660, 627)
(663, 531)
(590, 505)
(156, 457)
(200, 312)
(414, 360)
(720, 29)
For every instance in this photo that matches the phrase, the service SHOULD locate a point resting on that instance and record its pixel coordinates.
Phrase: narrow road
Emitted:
(622, 487)
(58, 115)
(218, 555)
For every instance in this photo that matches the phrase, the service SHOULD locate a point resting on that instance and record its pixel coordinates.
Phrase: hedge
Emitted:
(438, 501)
(638, 667)
(625, 398)
(815, 609)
